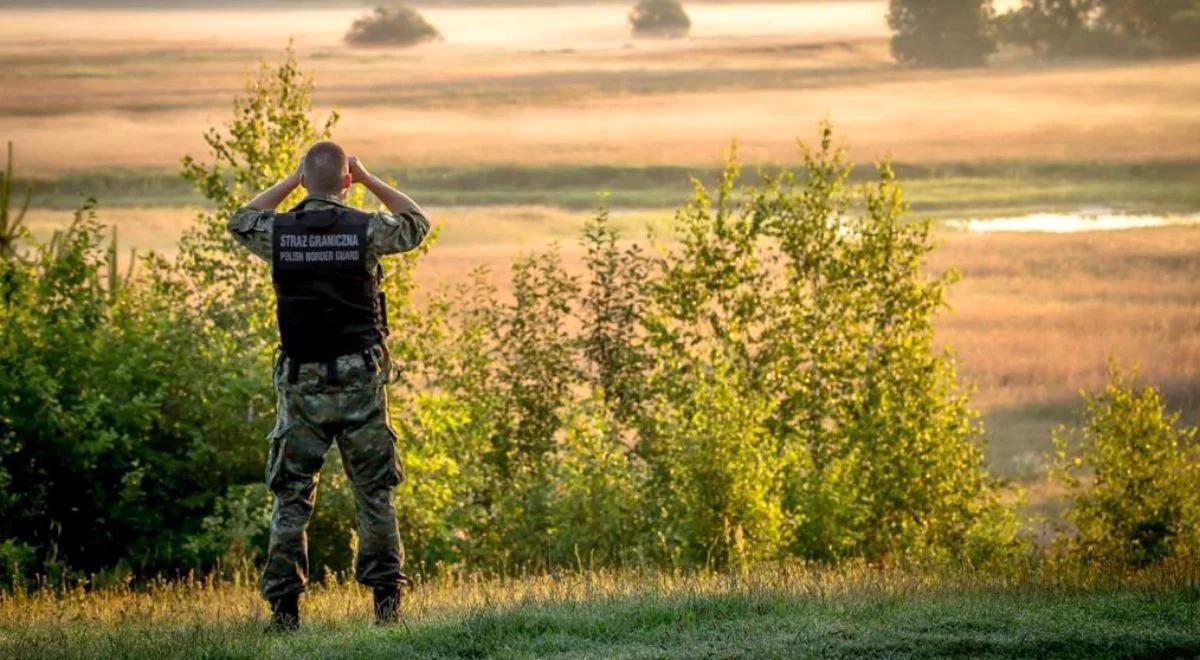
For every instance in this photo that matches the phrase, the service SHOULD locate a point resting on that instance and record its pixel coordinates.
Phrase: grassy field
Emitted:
(779, 612)
(946, 190)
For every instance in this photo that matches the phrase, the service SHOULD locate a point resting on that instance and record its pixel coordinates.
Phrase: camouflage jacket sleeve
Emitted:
(396, 232)
(252, 228)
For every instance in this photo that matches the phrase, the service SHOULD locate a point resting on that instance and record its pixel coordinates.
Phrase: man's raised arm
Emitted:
(251, 224)
(407, 225)
(395, 201)
(272, 197)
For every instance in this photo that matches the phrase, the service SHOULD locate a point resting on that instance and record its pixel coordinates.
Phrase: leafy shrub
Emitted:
(659, 18)
(391, 26)
(1131, 471)
(944, 33)
(765, 387)
(236, 531)
(809, 299)
(596, 504)
(612, 345)
(109, 383)
(149, 387)
(17, 563)
(715, 486)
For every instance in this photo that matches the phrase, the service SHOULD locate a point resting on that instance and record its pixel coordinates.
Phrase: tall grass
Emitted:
(943, 190)
(792, 610)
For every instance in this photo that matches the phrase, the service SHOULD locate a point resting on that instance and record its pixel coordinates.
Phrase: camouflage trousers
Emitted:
(312, 414)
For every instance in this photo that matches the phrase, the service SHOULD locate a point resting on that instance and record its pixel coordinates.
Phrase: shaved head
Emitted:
(326, 169)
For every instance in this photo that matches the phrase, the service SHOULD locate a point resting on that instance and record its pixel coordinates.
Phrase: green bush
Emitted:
(595, 508)
(121, 385)
(715, 495)
(809, 298)
(1131, 472)
(942, 33)
(134, 404)
(659, 18)
(391, 26)
(763, 386)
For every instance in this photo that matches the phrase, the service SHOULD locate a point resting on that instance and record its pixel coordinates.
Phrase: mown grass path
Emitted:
(793, 613)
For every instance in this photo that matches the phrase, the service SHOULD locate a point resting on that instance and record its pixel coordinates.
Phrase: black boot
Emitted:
(285, 614)
(387, 605)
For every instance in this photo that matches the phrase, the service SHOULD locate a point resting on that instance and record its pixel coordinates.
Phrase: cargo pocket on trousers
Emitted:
(397, 463)
(276, 439)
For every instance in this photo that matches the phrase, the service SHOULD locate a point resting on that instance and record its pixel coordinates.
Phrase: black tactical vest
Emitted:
(328, 300)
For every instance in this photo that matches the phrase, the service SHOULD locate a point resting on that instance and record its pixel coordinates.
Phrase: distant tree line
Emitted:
(965, 32)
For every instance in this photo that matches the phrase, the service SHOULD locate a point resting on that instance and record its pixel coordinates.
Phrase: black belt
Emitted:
(331, 370)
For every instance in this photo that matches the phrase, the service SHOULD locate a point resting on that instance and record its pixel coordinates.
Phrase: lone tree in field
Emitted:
(391, 26)
(659, 18)
(944, 33)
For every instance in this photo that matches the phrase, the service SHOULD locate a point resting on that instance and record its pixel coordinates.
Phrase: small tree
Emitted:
(794, 374)
(259, 146)
(1131, 471)
(11, 229)
(391, 26)
(611, 306)
(946, 33)
(659, 18)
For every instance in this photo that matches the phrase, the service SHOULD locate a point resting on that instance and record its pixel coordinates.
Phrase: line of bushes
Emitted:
(966, 32)
(764, 386)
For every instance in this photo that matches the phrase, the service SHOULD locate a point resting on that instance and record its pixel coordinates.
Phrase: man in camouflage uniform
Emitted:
(332, 368)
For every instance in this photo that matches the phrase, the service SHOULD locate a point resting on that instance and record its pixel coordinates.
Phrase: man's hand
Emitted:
(358, 173)
(394, 200)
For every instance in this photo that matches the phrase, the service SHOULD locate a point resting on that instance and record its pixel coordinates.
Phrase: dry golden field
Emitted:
(568, 85)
